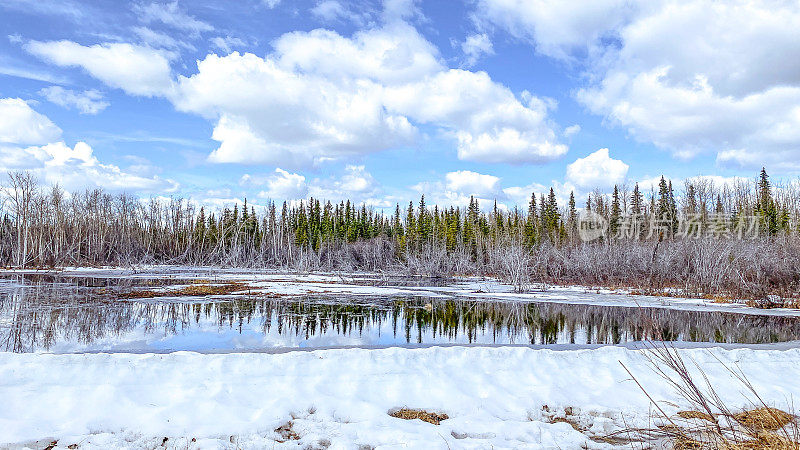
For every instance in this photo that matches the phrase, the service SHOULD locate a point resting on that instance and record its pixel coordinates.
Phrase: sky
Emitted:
(383, 101)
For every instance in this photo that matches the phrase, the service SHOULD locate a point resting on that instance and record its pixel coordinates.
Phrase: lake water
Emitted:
(63, 314)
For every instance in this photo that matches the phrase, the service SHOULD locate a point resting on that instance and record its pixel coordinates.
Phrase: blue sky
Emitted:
(379, 102)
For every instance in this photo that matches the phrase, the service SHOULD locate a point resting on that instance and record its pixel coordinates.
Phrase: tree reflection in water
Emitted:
(43, 314)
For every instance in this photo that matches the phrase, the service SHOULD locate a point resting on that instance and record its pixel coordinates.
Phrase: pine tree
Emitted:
(664, 207)
(637, 201)
(572, 220)
(532, 222)
(616, 212)
(423, 221)
(397, 226)
(766, 208)
(200, 228)
(411, 226)
(551, 216)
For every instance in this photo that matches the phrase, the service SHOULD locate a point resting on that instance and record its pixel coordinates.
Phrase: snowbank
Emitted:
(340, 398)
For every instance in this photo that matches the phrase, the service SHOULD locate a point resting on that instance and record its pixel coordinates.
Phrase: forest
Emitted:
(737, 240)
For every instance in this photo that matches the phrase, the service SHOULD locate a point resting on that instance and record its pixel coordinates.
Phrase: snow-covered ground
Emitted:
(495, 397)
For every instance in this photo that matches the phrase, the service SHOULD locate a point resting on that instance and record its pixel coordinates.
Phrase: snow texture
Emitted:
(495, 397)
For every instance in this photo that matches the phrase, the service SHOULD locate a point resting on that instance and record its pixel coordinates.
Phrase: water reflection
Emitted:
(81, 316)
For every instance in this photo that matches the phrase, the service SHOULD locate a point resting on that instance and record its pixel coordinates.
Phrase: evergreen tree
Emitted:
(766, 208)
(572, 220)
(532, 222)
(637, 201)
(616, 212)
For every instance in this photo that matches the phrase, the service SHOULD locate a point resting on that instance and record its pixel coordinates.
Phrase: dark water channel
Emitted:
(62, 314)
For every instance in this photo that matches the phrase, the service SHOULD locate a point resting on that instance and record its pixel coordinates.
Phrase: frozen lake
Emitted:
(68, 313)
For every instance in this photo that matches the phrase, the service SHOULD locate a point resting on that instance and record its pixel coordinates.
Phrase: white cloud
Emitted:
(227, 43)
(329, 10)
(400, 10)
(597, 170)
(20, 124)
(320, 96)
(332, 97)
(172, 15)
(475, 46)
(30, 141)
(723, 90)
(77, 168)
(572, 130)
(135, 69)
(283, 185)
(488, 121)
(354, 183)
(556, 28)
(160, 40)
(473, 183)
(356, 179)
(87, 102)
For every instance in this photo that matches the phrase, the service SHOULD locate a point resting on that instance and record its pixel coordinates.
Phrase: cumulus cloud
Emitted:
(353, 183)
(77, 168)
(86, 102)
(597, 169)
(20, 124)
(489, 122)
(30, 141)
(557, 29)
(320, 96)
(721, 90)
(135, 69)
(333, 96)
(475, 46)
(281, 185)
(356, 179)
(473, 183)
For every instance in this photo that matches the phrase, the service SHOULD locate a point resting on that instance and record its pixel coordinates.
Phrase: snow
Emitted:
(340, 398)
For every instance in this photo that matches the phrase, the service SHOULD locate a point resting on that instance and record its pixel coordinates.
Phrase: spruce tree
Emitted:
(572, 220)
(616, 212)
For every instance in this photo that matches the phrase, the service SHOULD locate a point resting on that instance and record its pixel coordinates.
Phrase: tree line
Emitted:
(643, 233)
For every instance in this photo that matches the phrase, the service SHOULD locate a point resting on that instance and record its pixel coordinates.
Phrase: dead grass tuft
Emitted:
(765, 418)
(686, 443)
(421, 414)
(193, 290)
(696, 415)
(287, 433)
(764, 441)
(759, 427)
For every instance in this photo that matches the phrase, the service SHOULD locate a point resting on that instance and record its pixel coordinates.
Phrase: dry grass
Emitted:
(710, 423)
(193, 290)
(765, 418)
(287, 433)
(421, 414)
(696, 415)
